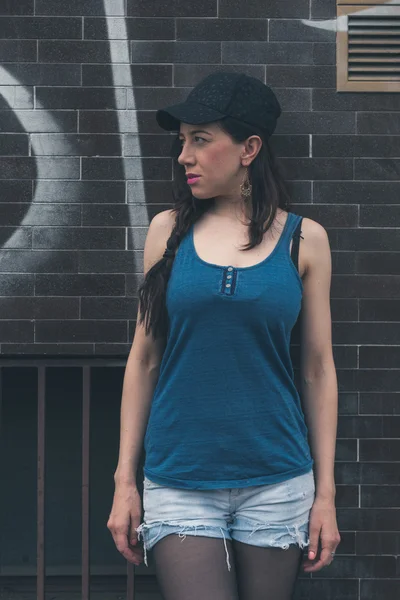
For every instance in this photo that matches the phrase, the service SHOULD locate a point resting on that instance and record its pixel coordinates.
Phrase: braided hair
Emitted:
(268, 193)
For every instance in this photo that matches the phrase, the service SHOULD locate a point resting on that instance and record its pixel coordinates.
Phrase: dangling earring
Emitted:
(246, 187)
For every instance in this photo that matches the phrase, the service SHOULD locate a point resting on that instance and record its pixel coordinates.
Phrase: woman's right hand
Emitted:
(125, 516)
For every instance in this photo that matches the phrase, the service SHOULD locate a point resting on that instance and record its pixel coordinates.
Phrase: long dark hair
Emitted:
(269, 193)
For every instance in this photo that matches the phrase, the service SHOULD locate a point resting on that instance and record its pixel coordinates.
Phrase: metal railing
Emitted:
(86, 364)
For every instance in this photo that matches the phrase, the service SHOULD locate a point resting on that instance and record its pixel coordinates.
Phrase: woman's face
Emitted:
(213, 157)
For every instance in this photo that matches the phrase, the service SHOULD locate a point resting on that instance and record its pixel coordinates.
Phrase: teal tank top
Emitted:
(225, 411)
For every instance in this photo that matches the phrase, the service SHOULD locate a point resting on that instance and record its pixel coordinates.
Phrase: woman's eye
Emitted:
(196, 137)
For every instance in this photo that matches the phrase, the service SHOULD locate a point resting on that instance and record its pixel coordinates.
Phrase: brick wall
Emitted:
(83, 168)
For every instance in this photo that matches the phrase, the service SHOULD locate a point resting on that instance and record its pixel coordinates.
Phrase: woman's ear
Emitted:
(252, 147)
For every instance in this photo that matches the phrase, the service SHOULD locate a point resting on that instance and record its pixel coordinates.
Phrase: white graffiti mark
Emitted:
(340, 23)
(137, 213)
(124, 57)
(23, 117)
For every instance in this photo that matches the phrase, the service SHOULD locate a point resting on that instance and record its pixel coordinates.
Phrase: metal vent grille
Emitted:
(374, 48)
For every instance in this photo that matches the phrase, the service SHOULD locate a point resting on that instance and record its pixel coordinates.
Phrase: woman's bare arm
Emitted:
(142, 368)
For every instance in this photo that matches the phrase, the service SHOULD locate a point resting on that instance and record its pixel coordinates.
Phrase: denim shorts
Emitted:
(273, 515)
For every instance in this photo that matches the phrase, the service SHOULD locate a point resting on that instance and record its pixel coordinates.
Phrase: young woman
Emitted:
(230, 497)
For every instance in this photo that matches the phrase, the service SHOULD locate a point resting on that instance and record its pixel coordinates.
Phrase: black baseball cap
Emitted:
(225, 94)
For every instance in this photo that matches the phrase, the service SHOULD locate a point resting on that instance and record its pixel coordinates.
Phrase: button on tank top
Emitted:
(225, 411)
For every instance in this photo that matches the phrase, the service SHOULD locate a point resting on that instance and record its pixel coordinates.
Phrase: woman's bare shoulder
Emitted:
(159, 231)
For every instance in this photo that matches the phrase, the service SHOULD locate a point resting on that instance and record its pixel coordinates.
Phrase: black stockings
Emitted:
(195, 568)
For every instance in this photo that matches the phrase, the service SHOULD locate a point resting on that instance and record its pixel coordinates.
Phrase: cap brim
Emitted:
(187, 112)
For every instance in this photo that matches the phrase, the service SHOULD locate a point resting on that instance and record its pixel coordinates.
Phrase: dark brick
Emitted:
(176, 52)
(367, 473)
(39, 214)
(152, 99)
(45, 74)
(133, 281)
(300, 192)
(285, 9)
(39, 308)
(59, 144)
(379, 310)
(156, 192)
(174, 8)
(377, 542)
(147, 145)
(356, 145)
(22, 7)
(131, 168)
(343, 263)
(39, 121)
(81, 191)
(368, 427)
(31, 261)
(324, 53)
(108, 308)
(287, 30)
(74, 238)
(14, 145)
(331, 589)
(346, 496)
(378, 123)
(39, 28)
(318, 168)
(16, 284)
(222, 29)
(379, 450)
(365, 239)
(10, 190)
(295, 76)
(377, 168)
(62, 350)
(269, 53)
(107, 261)
(290, 145)
(75, 97)
(380, 404)
(113, 215)
(382, 496)
(79, 285)
(115, 28)
(344, 309)
(16, 331)
(379, 263)
(346, 450)
(358, 566)
(316, 122)
(331, 100)
(80, 7)
(348, 403)
(112, 121)
(83, 51)
(11, 237)
(360, 192)
(321, 9)
(81, 331)
(379, 588)
(190, 75)
(49, 168)
(294, 99)
(375, 216)
(112, 349)
(371, 357)
(18, 50)
(127, 75)
(365, 333)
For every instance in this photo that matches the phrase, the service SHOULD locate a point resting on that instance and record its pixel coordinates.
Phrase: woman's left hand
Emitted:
(323, 527)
